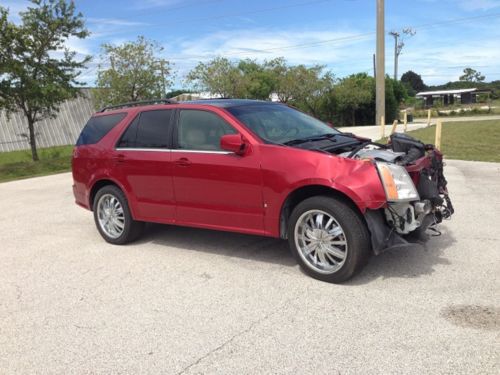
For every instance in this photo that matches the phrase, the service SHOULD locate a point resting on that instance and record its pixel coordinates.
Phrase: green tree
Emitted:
(311, 87)
(471, 75)
(37, 70)
(355, 99)
(258, 79)
(132, 71)
(219, 76)
(413, 82)
(354, 93)
(307, 88)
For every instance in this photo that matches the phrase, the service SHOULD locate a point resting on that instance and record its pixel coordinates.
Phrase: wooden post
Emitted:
(439, 128)
(428, 117)
(382, 127)
(394, 126)
(405, 121)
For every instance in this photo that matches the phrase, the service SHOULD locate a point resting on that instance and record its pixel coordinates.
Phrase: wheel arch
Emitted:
(300, 194)
(99, 184)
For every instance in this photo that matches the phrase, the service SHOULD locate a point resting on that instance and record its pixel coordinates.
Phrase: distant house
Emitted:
(449, 97)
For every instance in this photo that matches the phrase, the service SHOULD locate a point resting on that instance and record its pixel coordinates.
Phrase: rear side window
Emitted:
(97, 127)
(151, 129)
(128, 138)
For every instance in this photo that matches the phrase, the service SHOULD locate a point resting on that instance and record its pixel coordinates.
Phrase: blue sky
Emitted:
(450, 34)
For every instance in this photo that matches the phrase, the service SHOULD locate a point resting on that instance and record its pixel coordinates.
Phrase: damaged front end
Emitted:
(417, 198)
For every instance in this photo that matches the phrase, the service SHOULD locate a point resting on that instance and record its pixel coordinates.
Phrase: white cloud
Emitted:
(472, 5)
(298, 46)
(15, 6)
(445, 61)
(146, 4)
(113, 22)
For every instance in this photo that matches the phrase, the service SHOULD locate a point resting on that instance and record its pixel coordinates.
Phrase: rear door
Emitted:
(214, 188)
(143, 160)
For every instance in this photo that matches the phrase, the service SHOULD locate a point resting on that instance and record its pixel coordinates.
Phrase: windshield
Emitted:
(279, 123)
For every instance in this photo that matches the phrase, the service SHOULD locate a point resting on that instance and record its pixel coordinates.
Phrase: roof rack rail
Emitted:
(134, 104)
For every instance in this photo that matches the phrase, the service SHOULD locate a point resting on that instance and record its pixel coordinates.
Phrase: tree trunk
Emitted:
(353, 117)
(31, 128)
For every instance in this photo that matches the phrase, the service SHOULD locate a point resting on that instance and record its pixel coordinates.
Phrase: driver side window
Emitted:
(201, 130)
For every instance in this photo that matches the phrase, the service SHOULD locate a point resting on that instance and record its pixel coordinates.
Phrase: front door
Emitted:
(214, 188)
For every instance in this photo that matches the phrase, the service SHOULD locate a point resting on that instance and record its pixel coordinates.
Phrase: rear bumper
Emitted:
(81, 198)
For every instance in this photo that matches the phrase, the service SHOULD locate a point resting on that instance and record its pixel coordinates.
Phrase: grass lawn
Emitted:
(474, 140)
(18, 164)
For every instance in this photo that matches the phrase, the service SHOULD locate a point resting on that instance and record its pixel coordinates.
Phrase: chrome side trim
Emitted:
(203, 151)
(143, 149)
(173, 150)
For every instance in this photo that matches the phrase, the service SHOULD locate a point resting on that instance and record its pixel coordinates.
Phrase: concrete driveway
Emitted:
(186, 301)
(374, 132)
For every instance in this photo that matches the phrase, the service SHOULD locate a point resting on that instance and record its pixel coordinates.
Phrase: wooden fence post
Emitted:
(394, 126)
(405, 121)
(382, 127)
(439, 128)
(428, 117)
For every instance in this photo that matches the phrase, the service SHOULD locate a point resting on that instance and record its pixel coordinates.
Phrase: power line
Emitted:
(195, 3)
(284, 48)
(222, 16)
(353, 37)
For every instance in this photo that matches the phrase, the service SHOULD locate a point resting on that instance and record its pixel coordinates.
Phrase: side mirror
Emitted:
(233, 143)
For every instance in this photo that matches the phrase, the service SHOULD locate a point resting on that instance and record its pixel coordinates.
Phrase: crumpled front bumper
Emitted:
(383, 237)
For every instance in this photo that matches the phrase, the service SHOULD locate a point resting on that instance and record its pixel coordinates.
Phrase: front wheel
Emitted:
(329, 240)
(112, 216)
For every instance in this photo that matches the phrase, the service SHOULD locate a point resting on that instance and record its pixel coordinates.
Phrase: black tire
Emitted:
(355, 233)
(132, 229)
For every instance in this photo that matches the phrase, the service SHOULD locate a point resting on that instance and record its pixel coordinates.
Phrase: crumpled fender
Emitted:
(359, 180)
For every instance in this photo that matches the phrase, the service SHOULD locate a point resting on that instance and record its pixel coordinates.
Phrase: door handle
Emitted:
(183, 162)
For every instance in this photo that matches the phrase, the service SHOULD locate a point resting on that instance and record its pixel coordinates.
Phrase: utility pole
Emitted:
(397, 50)
(380, 68)
(374, 67)
(398, 46)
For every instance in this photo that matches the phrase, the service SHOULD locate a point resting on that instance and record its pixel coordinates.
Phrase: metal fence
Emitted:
(59, 131)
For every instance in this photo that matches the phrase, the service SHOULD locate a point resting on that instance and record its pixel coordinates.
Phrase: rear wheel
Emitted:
(329, 240)
(112, 216)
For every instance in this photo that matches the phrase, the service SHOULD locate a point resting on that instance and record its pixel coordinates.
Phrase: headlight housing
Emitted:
(397, 183)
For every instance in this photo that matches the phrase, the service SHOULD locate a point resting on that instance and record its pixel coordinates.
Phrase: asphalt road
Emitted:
(186, 301)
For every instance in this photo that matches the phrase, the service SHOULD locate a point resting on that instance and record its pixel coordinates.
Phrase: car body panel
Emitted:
(218, 190)
(287, 169)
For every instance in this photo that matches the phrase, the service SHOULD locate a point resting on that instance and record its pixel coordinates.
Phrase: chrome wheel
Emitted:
(110, 216)
(320, 241)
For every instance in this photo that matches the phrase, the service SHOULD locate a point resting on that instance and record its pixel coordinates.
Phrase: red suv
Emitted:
(259, 168)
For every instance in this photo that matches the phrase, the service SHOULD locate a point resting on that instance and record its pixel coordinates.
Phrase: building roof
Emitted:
(445, 92)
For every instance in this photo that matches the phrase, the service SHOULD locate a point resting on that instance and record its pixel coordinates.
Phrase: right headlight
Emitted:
(397, 183)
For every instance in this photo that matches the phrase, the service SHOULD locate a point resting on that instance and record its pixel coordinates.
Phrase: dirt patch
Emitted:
(473, 316)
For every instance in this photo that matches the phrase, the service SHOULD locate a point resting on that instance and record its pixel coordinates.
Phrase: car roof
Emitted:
(227, 103)
(148, 105)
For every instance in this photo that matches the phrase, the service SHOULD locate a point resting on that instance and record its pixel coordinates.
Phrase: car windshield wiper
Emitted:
(309, 139)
